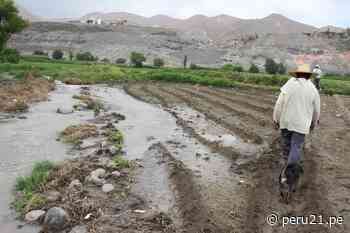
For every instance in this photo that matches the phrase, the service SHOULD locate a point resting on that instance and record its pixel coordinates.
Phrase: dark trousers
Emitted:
(317, 82)
(292, 145)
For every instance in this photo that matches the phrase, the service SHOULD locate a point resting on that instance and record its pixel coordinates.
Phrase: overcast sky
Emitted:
(315, 12)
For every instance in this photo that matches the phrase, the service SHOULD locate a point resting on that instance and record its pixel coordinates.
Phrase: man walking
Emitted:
(318, 72)
(297, 111)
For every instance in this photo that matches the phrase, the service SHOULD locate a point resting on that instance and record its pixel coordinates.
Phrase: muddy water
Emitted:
(145, 125)
(22, 142)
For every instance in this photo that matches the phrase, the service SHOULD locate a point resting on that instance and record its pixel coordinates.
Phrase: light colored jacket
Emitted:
(298, 105)
(318, 73)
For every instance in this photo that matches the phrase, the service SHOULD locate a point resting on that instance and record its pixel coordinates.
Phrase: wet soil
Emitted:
(208, 160)
(246, 114)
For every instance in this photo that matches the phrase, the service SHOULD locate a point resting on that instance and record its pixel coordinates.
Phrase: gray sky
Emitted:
(315, 12)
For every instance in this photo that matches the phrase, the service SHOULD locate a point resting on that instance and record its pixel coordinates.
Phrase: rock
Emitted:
(22, 117)
(64, 111)
(34, 216)
(76, 184)
(79, 229)
(338, 115)
(107, 188)
(97, 176)
(56, 219)
(53, 196)
(116, 174)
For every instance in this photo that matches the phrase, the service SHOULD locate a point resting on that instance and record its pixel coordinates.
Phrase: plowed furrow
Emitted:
(261, 97)
(251, 117)
(244, 101)
(189, 202)
(215, 114)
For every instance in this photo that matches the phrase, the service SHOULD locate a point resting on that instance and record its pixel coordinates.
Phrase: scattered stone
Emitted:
(97, 176)
(56, 219)
(79, 229)
(76, 184)
(107, 188)
(34, 216)
(64, 111)
(140, 211)
(116, 174)
(53, 196)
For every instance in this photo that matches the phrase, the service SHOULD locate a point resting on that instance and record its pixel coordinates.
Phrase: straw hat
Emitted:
(303, 69)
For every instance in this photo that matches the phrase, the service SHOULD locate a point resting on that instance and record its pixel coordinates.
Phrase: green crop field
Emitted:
(90, 73)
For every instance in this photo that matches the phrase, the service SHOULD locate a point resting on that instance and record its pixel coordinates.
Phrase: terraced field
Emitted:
(236, 125)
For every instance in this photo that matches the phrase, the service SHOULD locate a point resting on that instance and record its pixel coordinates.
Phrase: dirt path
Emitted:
(325, 188)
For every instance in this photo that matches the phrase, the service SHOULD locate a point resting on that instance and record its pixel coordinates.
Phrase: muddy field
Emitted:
(236, 124)
(208, 161)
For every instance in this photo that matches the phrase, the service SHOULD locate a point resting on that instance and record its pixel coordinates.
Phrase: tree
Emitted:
(254, 69)
(158, 62)
(281, 69)
(57, 54)
(185, 62)
(120, 61)
(87, 56)
(10, 21)
(9, 56)
(270, 66)
(137, 59)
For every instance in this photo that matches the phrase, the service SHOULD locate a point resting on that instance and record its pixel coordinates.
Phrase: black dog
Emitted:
(288, 181)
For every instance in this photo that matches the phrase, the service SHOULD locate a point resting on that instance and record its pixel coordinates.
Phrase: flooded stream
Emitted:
(23, 142)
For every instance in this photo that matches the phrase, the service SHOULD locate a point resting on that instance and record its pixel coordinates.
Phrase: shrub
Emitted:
(158, 62)
(137, 59)
(227, 67)
(194, 66)
(87, 56)
(281, 69)
(238, 68)
(57, 55)
(9, 56)
(120, 61)
(39, 53)
(270, 66)
(254, 69)
(105, 60)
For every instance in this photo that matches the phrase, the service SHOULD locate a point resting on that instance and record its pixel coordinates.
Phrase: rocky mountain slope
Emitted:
(207, 41)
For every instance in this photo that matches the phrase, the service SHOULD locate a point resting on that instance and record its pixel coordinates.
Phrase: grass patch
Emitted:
(116, 137)
(75, 133)
(28, 186)
(120, 163)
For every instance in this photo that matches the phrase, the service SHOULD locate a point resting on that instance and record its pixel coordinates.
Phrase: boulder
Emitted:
(79, 229)
(56, 219)
(107, 188)
(34, 216)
